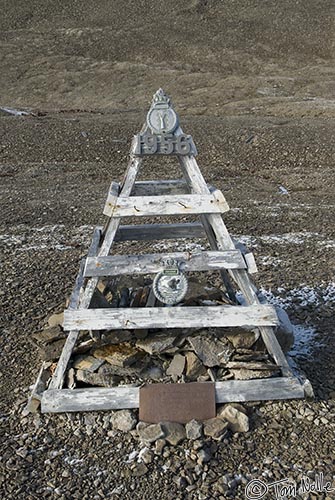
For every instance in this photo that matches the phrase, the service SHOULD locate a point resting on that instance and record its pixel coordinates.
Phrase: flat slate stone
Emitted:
(177, 402)
(211, 351)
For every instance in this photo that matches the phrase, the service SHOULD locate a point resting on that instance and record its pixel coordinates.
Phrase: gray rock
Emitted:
(193, 430)
(245, 374)
(238, 407)
(116, 336)
(139, 469)
(194, 367)
(56, 319)
(237, 420)
(241, 338)
(203, 456)
(150, 433)
(159, 446)
(210, 350)
(123, 420)
(145, 455)
(174, 432)
(156, 344)
(215, 428)
(177, 366)
(87, 363)
(152, 372)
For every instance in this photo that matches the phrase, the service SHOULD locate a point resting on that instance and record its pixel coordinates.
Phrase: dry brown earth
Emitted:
(254, 84)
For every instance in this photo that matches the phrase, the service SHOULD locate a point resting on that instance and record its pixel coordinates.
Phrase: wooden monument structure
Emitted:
(188, 195)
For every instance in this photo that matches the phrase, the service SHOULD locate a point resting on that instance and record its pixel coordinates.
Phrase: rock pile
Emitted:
(113, 358)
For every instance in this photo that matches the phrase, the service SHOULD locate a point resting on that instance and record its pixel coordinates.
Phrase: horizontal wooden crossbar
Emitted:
(67, 400)
(147, 206)
(160, 187)
(170, 317)
(115, 265)
(150, 232)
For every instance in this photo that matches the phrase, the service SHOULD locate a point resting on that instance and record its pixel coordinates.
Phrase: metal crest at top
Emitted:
(162, 118)
(160, 97)
(163, 135)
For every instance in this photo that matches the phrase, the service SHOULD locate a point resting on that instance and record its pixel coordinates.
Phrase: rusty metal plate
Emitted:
(177, 402)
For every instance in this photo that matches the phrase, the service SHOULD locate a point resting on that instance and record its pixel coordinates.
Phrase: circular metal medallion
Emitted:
(170, 286)
(162, 120)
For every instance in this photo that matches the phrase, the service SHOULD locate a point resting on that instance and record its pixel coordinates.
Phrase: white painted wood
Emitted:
(148, 232)
(113, 193)
(75, 301)
(115, 265)
(258, 390)
(35, 397)
(187, 204)
(198, 185)
(160, 187)
(170, 317)
(251, 263)
(67, 400)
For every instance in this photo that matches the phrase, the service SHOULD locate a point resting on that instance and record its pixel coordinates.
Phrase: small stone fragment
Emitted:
(56, 319)
(177, 366)
(119, 355)
(159, 446)
(194, 367)
(203, 456)
(174, 432)
(150, 433)
(145, 455)
(211, 351)
(123, 420)
(245, 374)
(215, 428)
(193, 430)
(139, 469)
(242, 338)
(49, 334)
(156, 344)
(87, 363)
(237, 421)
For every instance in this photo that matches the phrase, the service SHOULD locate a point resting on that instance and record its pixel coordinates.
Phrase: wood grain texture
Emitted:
(187, 204)
(67, 400)
(258, 390)
(115, 265)
(149, 232)
(113, 193)
(170, 317)
(160, 187)
(224, 241)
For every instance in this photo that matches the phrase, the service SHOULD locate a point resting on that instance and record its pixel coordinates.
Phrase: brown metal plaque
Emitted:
(177, 402)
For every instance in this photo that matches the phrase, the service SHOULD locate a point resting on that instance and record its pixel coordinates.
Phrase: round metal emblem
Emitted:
(162, 120)
(170, 286)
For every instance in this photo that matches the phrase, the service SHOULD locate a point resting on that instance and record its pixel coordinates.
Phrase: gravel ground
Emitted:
(254, 86)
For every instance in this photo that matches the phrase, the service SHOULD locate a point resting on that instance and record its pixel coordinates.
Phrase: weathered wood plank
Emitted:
(146, 206)
(115, 265)
(75, 301)
(251, 263)
(160, 187)
(113, 193)
(258, 390)
(171, 317)
(35, 397)
(148, 232)
(67, 400)
(198, 185)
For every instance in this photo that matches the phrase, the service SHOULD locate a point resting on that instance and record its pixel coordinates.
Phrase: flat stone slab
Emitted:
(177, 402)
